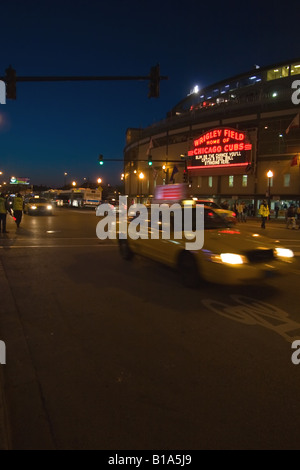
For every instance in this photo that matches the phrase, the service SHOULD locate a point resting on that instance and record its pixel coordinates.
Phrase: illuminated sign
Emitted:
(220, 148)
(14, 180)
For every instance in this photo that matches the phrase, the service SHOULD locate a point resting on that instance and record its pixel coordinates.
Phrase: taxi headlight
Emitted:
(229, 258)
(49, 208)
(284, 253)
(33, 208)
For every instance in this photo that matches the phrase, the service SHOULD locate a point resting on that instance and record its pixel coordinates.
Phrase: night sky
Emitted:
(56, 127)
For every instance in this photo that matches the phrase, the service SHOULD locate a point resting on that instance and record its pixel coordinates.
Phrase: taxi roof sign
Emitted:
(171, 192)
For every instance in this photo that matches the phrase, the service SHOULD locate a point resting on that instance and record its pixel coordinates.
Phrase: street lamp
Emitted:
(141, 177)
(166, 172)
(74, 183)
(270, 176)
(99, 180)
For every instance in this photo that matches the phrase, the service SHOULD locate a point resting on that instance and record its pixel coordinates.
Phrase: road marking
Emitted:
(253, 312)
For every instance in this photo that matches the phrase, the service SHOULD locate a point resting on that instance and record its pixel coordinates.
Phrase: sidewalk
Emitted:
(272, 220)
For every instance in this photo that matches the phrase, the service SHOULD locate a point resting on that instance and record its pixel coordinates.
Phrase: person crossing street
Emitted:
(18, 207)
(3, 213)
(264, 212)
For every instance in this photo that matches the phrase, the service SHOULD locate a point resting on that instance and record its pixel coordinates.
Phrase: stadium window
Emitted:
(245, 181)
(233, 86)
(295, 69)
(279, 72)
(210, 181)
(286, 180)
(231, 181)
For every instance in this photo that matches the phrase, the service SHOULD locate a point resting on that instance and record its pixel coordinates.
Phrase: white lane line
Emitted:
(57, 246)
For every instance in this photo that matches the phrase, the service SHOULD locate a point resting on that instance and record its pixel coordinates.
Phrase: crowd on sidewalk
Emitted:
(243, 211)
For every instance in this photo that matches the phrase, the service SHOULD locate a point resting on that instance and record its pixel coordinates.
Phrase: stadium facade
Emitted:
(224, 140)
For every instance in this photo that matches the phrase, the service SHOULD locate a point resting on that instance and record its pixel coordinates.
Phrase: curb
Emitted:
(5, 442)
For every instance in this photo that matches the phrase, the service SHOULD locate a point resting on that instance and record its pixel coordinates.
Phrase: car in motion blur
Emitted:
(37, 205)
(229, 215)
(228, 256)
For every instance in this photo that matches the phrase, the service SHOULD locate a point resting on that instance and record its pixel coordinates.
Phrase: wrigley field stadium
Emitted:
(236, 140)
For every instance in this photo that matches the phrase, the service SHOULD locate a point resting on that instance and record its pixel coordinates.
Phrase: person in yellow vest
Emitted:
(18, 206)
(3, 213)
(264, 212)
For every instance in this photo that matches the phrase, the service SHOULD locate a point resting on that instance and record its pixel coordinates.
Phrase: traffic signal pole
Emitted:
(154, 80)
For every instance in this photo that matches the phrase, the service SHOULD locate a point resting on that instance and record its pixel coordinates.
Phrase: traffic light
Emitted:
(150, 163)
(185, 173)
(154, 82)
(100, 160)
(10, 80)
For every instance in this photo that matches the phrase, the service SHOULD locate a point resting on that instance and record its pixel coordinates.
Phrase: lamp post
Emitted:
(270, 176)
(65, 180)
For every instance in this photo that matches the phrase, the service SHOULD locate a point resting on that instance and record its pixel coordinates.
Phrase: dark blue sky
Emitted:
(56, 127)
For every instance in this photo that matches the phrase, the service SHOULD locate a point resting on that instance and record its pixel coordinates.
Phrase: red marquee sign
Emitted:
(221, 148)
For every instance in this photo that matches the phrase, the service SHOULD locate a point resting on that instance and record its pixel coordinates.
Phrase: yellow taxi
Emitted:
(38, 205)
(228, 255)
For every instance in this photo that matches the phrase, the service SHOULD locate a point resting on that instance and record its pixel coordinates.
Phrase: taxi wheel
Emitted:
(188, 270)
(125, 250)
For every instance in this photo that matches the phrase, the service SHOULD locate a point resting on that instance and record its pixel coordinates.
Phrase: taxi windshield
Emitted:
(212, 204)
(37, 201)
(212, 220)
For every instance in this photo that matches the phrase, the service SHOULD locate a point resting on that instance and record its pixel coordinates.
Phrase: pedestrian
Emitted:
(4, 208)
(250, 210)
(18, 207)
(240, 209)
(276, 210)
(245, 212)
(291, 217)
(264, 212)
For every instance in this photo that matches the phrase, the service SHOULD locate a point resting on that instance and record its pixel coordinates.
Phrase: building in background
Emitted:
(224, 140)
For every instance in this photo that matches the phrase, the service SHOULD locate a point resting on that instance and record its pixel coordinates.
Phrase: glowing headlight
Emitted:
(284, 253)
(33, 208)
(231, 258)
(49, 208)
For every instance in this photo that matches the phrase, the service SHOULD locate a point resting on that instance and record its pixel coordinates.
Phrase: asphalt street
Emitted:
(107, 354)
